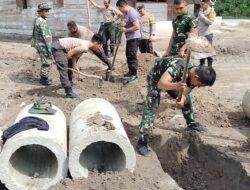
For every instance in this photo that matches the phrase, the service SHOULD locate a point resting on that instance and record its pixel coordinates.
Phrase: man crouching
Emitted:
(65, 52)
(167, 75)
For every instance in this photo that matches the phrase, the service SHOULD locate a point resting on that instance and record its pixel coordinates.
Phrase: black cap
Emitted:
(205, 1)
(140, 7)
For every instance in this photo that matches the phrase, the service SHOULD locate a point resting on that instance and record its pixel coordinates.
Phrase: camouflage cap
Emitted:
(43, 6)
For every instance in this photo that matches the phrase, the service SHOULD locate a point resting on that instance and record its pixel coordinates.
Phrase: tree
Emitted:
(233, 8)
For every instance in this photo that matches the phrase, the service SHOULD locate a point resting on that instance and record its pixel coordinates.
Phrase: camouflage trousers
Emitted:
(46, 62)
(152, 104)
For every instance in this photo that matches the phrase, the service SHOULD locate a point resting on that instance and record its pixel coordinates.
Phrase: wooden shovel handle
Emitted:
(86, 75)
(184, 76)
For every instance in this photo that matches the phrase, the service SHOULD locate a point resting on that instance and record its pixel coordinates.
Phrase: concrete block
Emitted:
(35, 159)
(98, 140)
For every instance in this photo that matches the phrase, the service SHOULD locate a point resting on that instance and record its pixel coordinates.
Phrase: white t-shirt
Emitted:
(71, 43)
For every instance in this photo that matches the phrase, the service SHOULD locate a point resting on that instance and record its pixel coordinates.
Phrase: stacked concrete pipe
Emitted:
(98, 140)
(35, 159)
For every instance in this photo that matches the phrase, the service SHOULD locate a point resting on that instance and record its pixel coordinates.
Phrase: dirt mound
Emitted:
(209, 110)
(225, 44)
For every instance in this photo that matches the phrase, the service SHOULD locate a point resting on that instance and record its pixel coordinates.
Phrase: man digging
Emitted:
(83, 33)
(166, 75)
(65, 52)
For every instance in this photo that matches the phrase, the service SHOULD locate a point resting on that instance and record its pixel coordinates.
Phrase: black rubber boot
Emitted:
(70, 93)
(132, 78)
(196, 127)
(45, 81)
(142, 147)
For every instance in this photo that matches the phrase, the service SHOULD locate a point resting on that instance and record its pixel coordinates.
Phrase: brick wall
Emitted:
(15, 20)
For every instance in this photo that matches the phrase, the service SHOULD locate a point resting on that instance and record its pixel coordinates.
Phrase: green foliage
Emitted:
(233, 8)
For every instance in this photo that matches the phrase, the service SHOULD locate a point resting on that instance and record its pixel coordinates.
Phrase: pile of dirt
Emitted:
(232, 40)
(209, 110)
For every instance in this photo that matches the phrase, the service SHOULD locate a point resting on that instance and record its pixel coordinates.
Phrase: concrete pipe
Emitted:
(35, 159)
(98, 140)
(246, 103)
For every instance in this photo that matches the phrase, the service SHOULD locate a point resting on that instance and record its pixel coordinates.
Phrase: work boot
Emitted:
(45, 81)
(142, 148)
(70, 93)
(132, 78)
(196, 127)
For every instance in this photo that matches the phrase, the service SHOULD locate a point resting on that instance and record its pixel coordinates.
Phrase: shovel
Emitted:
(109, 72)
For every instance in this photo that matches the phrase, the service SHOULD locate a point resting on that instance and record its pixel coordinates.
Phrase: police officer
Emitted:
(147, 22)
(42, 40)
(182, 25)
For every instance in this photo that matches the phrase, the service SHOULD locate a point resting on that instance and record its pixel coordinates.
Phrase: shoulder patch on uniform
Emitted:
(152, 19)
(212, 15)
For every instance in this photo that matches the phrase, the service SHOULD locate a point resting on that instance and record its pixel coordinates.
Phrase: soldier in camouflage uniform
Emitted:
(166, 75)
(183, 24)
(42, 41)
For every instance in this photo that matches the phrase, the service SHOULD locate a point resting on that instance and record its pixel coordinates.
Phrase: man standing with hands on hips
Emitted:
(131, 28)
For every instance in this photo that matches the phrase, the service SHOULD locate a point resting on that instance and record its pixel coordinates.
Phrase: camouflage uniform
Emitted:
(175, 67)
(181, 27)
(42, 41)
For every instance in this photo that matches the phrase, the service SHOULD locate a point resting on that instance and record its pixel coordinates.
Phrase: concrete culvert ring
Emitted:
(34, 163)
(103, 156)
(35, 159)
(98, 140)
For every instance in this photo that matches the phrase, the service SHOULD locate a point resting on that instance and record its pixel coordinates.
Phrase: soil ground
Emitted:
(219, 160)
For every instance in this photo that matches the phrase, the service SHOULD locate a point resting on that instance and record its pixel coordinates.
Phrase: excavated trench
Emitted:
(196, 166)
